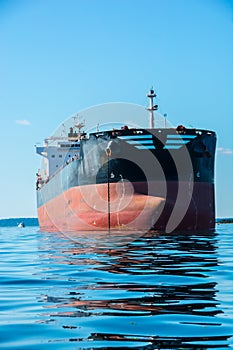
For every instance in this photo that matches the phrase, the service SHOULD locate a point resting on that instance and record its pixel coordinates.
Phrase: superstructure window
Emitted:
(60, 155)
(53, 155)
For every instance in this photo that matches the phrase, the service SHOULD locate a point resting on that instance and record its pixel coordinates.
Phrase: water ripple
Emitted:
(159, 292)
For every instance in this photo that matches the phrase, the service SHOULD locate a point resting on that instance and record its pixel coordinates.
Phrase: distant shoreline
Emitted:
(33, 221)
(224, 221)
(12, 222)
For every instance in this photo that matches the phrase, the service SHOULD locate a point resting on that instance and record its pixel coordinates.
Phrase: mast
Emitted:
(165, 120)
(151, 108)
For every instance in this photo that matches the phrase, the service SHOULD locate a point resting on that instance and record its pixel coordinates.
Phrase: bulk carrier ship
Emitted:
(128, 179)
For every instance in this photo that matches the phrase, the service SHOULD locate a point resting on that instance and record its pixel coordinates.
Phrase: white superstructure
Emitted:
(58, 152)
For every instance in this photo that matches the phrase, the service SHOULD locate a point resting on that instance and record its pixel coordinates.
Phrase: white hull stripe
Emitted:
(146, 142)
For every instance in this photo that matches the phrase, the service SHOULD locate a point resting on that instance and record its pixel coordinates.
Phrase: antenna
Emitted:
(75, 119)
(165, 120)
(63, 131)
(152, 107)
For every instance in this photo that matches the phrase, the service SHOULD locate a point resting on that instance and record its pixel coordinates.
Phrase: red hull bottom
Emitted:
(128, 207)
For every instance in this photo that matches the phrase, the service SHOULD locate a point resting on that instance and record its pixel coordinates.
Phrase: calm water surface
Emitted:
(158, 292)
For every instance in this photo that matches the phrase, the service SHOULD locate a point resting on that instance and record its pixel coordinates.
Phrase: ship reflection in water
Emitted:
(158, 292)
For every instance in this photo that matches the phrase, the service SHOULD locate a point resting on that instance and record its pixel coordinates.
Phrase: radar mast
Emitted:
(151, 95)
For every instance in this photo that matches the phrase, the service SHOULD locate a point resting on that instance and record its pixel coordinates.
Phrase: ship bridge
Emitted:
(57, 154)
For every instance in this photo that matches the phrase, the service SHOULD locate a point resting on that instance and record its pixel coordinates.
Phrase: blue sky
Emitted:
(61, 56)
